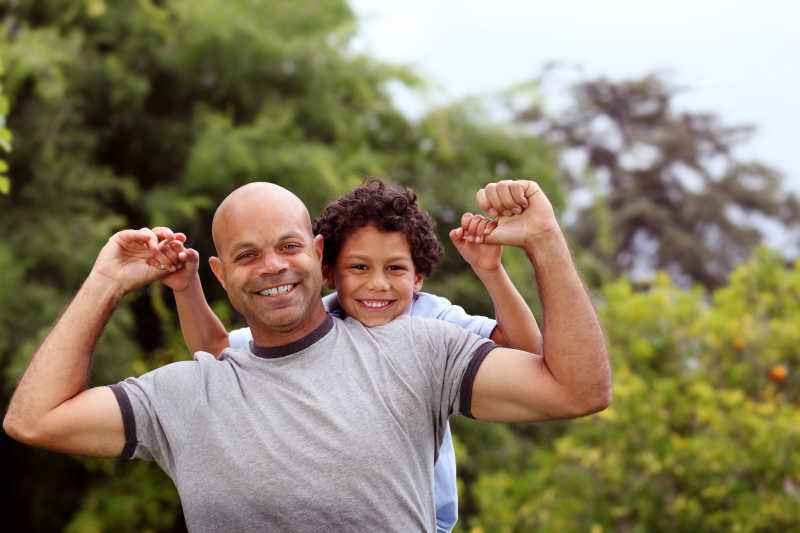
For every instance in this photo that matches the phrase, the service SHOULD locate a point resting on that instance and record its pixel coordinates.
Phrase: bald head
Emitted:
(259, 197)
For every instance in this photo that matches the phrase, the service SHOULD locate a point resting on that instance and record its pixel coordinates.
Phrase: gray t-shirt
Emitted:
(337, 431)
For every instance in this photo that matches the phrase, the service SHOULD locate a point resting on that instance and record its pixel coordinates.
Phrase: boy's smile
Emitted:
(374, 276)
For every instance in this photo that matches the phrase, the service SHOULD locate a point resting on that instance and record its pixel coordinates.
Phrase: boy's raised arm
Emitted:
(516, 326)
(202, 330)
(573, 376)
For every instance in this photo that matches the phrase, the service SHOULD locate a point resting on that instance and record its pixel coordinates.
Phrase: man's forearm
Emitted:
(201, 328)
(59, 369)
(574, 346)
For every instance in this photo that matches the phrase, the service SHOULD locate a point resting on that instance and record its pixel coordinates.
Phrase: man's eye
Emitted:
(291, 246)
(244, 255)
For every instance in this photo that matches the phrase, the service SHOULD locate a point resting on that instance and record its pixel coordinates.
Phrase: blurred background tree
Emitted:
(668, 189)
(134, 113)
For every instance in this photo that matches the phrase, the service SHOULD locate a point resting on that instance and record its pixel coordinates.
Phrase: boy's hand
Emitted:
(182, 262)
(523, 212)
(469, 241)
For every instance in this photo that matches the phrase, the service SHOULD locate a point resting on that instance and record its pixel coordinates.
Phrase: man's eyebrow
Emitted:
(240, 245)
(248, 244)
(292, 235)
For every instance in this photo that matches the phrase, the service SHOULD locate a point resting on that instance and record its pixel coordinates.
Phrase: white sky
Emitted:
(740, 59)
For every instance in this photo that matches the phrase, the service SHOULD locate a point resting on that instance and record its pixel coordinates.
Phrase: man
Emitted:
(319, 424)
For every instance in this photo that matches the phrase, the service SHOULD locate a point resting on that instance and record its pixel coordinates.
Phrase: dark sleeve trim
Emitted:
(128, 420)
(465, 405)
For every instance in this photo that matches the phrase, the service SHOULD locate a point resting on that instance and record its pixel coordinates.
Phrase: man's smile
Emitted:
(278, 291)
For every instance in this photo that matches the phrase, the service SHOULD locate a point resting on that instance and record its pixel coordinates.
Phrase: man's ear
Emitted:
(319, 243)
(418, 279)
(217, 269)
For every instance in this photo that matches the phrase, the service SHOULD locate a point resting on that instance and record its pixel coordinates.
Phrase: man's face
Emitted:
(374, 276)
(270, 266)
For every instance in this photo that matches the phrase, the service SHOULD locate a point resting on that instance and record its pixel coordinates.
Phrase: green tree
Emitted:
(5, 137)
(697, 437)
(669, 189)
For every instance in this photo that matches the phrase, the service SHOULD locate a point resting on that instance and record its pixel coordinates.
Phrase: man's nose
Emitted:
(273, 263)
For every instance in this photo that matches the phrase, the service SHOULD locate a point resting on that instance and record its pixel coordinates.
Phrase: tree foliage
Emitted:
(698, 437)
(670, 190)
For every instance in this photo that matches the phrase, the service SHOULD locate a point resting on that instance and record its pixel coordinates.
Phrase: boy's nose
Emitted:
(378, 282)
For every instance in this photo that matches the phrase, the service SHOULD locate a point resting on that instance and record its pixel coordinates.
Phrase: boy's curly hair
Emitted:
(388, 209)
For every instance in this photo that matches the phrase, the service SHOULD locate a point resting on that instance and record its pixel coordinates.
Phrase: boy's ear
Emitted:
(327, 278)
(418, 279)
(216, 268)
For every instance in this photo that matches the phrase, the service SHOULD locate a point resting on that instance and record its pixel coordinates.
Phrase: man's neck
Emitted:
(271, 337)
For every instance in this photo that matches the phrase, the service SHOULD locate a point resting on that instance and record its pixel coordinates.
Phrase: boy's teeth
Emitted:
(275, 291)
(375, 303)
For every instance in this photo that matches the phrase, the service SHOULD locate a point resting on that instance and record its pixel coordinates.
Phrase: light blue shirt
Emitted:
(444, 473)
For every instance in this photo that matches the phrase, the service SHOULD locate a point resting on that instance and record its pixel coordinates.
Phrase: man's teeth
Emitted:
(375, 303)
(275, 291)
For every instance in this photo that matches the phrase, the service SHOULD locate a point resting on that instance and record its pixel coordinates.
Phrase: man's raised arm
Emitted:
(573, 377)
(52, 407)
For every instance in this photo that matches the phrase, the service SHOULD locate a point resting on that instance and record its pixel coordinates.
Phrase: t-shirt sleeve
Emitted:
(157, 410)
(431, 306)
(456, 355)
(238, 338)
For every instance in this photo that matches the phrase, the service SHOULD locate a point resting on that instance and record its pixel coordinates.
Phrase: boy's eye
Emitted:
(397, 267)
(358, 267)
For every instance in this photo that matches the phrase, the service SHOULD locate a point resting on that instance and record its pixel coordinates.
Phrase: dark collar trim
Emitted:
(271, 352)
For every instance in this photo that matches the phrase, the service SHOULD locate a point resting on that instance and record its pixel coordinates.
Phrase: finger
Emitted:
(517, 190)
(456, 234)
(493, 199)
(530, 188)
(480, 229)
(180, 237)
(466, 220)
(163, 233)
(472, 229)
(190, 255)
(170, 250)
(142, 238)
(483, 202)
(507, 203)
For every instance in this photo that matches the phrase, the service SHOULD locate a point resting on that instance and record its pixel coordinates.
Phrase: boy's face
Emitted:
(374, 276)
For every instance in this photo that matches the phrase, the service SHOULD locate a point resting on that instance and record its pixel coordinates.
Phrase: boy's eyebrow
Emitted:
(361, 256)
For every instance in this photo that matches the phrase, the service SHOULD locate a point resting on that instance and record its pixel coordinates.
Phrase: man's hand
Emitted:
(124, 259)
(469, 241)
(523, 212)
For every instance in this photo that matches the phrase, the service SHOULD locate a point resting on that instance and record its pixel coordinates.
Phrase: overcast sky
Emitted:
(739, 59)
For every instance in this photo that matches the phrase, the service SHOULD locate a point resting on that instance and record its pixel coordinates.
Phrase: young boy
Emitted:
(378, 248)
